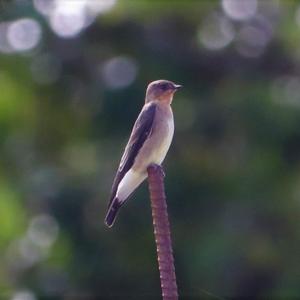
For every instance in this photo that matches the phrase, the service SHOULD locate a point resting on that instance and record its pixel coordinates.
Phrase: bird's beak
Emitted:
(177, 87)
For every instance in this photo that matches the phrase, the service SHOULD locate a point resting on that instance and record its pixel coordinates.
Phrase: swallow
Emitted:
(148, 144)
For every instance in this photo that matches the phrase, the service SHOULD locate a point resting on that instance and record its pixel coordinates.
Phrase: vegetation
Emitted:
(72, 81)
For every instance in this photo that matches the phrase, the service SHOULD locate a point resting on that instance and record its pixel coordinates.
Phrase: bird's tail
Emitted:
(112, 212)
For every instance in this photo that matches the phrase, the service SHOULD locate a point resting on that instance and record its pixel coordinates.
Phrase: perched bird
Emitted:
(149, 143)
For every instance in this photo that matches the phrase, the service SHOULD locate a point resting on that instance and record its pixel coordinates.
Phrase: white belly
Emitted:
(158, 143)
(154, 151)
(128, 184)
(160, 153)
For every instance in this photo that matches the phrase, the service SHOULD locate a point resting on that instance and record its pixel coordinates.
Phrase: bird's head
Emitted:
(161, 90)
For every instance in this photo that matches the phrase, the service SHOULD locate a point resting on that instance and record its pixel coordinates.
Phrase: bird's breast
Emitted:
(164, 136)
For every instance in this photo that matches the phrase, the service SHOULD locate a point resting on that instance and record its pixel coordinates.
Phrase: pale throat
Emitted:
(166, 98)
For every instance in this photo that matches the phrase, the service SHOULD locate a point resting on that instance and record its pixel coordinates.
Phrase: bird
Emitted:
(148, 144)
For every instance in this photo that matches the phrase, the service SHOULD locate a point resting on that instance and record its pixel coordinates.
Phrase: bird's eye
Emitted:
(164, 86)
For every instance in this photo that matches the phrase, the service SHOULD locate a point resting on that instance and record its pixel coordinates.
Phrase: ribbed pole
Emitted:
(162, 233)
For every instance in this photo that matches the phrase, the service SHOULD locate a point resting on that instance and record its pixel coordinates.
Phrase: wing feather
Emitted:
(140, 132)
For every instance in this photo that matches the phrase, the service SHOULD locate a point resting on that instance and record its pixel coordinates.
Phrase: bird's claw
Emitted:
(159, 168)
(162, 172)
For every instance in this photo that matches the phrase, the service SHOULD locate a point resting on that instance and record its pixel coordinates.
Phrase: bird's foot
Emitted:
(158, 168)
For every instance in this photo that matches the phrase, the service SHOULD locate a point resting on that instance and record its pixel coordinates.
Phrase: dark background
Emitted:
(73, 75)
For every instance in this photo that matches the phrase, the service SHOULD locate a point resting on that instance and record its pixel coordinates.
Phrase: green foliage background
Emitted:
(233, 171)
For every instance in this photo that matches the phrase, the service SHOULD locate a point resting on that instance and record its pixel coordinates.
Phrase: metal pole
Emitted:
(162, 233)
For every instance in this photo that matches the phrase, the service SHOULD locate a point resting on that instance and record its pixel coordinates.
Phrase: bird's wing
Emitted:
(140, 132)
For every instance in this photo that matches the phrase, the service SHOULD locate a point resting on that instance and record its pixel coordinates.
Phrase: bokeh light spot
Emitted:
(253, 37)
(239, 9)
(100, 6)
(285, 90)
(4, 43)
(23, 295)
(30, 253)
(67, 23)
(68, 18)
(44, 7)
(216, 33)
(119, 72)
(24, 34)
(43, 230)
